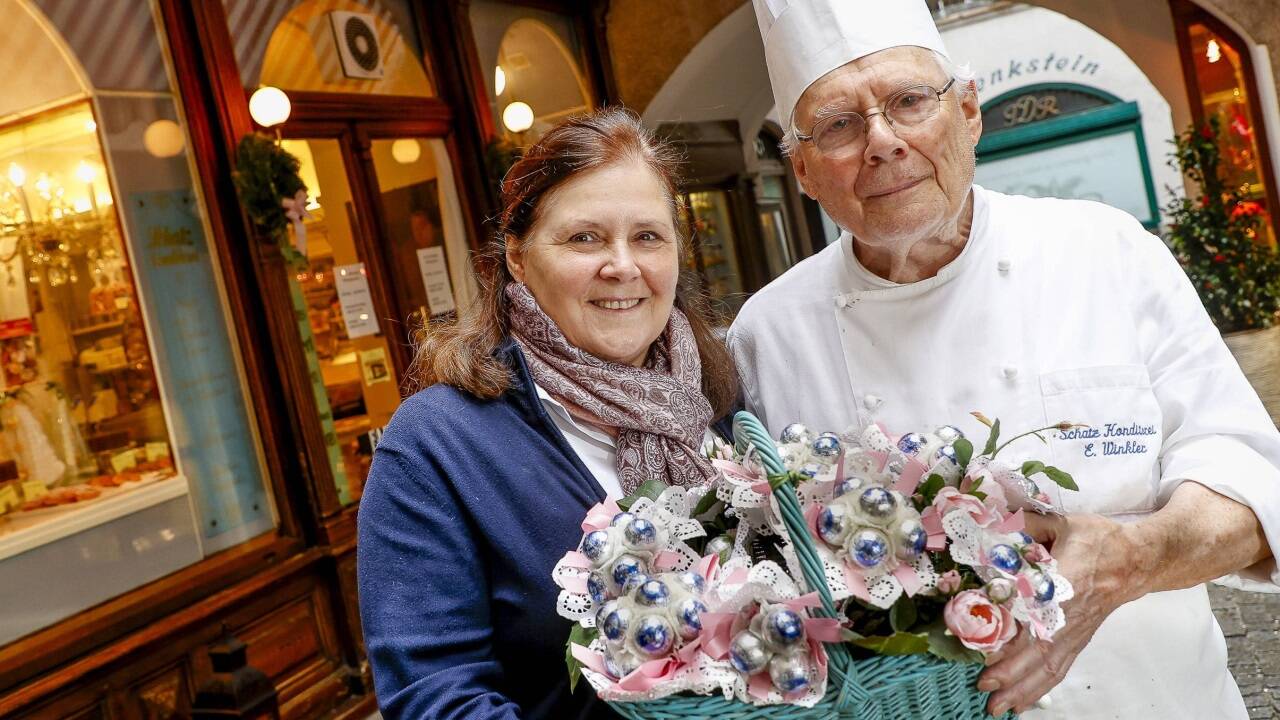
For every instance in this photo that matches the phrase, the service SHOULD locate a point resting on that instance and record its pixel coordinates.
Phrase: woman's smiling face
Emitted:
(603, 258)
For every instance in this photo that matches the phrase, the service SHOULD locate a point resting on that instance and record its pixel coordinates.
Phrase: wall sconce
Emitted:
(269, 106)
(517, 117)
(406, 151)
(1212, 51)
(499, 80)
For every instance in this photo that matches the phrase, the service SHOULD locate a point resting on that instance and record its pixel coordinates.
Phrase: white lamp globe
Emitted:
(406, 151)
(163, 138)
(518, 117)
(499, 80)
(269, 106)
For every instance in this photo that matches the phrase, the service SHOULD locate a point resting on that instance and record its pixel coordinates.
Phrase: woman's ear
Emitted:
(515, 260)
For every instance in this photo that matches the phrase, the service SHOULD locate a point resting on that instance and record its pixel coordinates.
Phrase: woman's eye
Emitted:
(581, 238)
(649, 237)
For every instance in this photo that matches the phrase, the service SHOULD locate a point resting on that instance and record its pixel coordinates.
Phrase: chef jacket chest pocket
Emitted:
(1115, 460)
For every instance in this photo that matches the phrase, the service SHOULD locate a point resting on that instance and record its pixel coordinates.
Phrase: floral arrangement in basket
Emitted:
(805, 557)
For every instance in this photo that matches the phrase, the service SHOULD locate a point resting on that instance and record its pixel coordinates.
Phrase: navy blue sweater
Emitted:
(468, 506)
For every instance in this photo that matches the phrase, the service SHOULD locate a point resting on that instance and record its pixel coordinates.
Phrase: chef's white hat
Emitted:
(806, 39)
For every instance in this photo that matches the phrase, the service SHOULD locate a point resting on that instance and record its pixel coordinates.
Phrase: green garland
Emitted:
(1216, 239)
(265, 174)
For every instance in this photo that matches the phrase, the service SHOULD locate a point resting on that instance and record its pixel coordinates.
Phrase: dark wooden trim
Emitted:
(1186, 13)
(595, 33)
(152, 609)
(308, 106)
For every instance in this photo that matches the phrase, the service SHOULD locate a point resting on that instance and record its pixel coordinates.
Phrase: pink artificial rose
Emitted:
(984, 513)
(949, 582)
(1036, 553)
(988, 486)
(979, 623)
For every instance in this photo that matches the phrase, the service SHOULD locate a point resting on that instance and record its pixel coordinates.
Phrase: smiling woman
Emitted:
(586, 366)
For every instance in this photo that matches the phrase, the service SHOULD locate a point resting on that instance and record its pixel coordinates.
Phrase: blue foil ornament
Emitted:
(832, 524)
(783, 628)
(652, 593)
(911, 443)
(748, 654)
(641, 534)
(946, 452)
(789, 673)
(597, 588)
(624, 567)
(622, 519)
(689, 615)
(869, 547)
(1005, 558)
(911, 539)
(826, 446)
(877, 502)
(653, 636)
(948, 433)
(596, 545)
(634, 581)
(1043, 588)
(795, 433)
(846, 486)
(615, 625)
(692, 581)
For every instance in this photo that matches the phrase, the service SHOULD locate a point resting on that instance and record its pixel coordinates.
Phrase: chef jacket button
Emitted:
(1010, 372)
(841, 301)
(1003, 266)
(872, 401)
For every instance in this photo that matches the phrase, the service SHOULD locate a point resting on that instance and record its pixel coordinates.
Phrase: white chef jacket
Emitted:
(1055, 310)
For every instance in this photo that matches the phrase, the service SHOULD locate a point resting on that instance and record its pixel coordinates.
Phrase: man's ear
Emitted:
(515, 260)
(802, 175)
(972, 109)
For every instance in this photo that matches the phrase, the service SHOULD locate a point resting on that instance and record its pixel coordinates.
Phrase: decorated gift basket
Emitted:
(820, 576)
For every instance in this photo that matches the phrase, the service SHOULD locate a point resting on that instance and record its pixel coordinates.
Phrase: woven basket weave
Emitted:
(904, 687)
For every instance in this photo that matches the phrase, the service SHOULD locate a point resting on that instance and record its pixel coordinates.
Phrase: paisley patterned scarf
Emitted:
(658, 411)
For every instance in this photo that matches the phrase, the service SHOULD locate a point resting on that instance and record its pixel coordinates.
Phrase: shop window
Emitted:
(335, 46)
(713, 252)
(1225, 94)
(127, 448)
(531, 60)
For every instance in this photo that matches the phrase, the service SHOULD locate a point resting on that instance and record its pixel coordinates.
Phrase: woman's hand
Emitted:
(1097, 555)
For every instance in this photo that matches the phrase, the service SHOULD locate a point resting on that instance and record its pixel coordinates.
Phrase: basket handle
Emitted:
(747, 430)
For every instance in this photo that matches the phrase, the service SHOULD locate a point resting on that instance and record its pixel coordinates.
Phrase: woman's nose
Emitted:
(621, 263)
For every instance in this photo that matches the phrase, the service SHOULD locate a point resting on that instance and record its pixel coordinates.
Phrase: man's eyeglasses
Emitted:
(844, 134)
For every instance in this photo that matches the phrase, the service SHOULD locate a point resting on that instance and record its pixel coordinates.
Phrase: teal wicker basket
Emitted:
(905, 687)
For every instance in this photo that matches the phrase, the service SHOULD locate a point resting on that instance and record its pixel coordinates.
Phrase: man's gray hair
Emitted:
(962, 73)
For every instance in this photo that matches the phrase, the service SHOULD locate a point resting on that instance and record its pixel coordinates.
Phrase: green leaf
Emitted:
(979, 494)
(705, 504)
(651, 489)
(1031, 467)
(1061, 477)
(993, 438)
(903, 614)
(929, 490)
(964, 451)
(577, 636)
(949, 647)
(899, 643)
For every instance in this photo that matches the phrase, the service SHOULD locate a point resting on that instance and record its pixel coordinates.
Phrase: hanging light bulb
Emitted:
(269, 106)
(1213, 51)
(17, 175)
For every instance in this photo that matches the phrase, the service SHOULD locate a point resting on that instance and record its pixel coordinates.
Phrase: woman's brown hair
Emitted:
(461, 353)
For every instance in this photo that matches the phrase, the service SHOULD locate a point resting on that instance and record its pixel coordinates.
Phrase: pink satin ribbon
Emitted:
(932, 523)
(599, 517)
(1016, 522)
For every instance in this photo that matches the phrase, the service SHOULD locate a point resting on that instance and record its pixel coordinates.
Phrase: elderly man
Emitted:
(941, 298)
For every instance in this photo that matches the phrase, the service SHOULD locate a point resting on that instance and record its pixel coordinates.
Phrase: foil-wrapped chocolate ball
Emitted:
(910, 539)
(1000, 590)
(826, 446)
(619, 663)
(868, 547)
(625, 567)
(795, 433)
(1005, 558)
(633, 582)
(720, 545)
(947, 453)
(653, 635)
(783, 628)
(689, 616)
(789, 673)
(911, 444)
(622, 519)
(615, 624)
(832, 523)
(597, 545)
(652, 593)
(748, 654)
(877, 502)
(1042, 587)
(692, 581)
(948, 433)
(791, 456)
(597, 587)
(641, 534)
(846, 486)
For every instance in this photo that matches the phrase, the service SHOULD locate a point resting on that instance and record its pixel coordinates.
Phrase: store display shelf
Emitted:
(88, 329)
(21, 532)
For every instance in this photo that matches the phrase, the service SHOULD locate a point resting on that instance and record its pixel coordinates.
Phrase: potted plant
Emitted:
(1219, 239)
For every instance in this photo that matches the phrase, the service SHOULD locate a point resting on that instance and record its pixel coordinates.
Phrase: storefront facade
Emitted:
(189, 409)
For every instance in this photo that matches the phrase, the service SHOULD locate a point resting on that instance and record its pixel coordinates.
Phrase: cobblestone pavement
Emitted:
(1251, 622)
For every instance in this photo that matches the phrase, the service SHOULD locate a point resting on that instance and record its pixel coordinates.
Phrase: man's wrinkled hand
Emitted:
(1096, 554)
